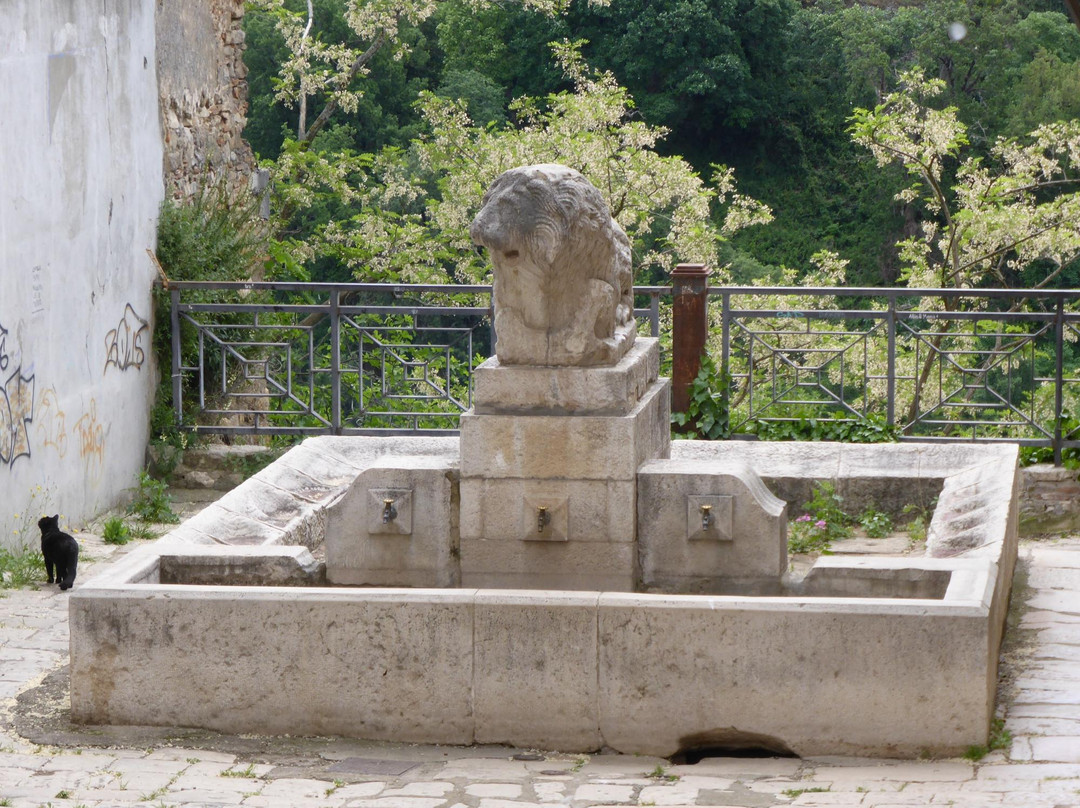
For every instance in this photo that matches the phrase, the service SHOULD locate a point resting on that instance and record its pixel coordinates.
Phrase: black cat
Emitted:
(60, 551)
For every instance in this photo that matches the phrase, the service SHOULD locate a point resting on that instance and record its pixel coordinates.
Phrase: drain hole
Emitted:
(729, 743)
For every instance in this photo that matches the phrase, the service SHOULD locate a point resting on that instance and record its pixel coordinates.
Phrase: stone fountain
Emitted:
(564, 481)
(562, 576)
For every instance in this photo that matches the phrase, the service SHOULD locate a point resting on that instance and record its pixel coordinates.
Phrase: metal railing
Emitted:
(931, 364)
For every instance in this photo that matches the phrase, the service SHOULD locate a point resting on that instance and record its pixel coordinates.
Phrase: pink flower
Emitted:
(820, 523)
(804, 518)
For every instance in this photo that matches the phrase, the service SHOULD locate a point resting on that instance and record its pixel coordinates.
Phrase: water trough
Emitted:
(227, 624)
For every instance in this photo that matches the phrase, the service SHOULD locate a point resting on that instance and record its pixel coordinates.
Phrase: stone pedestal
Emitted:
(549, 462)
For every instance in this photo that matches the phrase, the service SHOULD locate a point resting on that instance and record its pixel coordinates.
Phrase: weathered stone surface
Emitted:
(977, 507)
(299, 520)
(504, 510)
(359, 452)
(228, 527)
(671, 671)
(203, 95)
(593, 566)
(530, 390)
(676, 554)
(834, 664)
(362, 549)
(529, 690)
(241, 566)
(1049, 500)
(563, 288)
(329, 662)
(943, 459)
(567, 447)
(861, 577)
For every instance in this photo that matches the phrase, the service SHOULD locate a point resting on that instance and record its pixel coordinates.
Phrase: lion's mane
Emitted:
(563, 282)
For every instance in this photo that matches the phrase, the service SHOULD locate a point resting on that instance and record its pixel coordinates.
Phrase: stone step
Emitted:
(216, 467)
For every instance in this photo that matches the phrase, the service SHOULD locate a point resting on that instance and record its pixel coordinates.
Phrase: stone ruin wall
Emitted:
(202, 81)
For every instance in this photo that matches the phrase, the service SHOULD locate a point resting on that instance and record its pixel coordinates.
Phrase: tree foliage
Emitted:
(1013, 216)
(764, 87)
(409, 211)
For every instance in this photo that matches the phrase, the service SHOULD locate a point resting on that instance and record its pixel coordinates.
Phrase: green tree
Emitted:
(1012, 218)
(383, 113)
(824, 190)
(412, 209)
(1048, 90)
(1013, 215)
(701, 68)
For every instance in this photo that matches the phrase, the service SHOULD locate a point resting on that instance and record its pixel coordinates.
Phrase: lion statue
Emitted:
(563, 291)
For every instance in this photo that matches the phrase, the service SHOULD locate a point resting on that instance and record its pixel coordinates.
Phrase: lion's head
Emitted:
(563, 283)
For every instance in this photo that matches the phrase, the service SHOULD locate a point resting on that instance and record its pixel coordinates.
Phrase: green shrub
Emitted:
(876, 524)
(822, 523)
(21, 567)
(115, 531)
(916, 527)
(707, 412)
(840, 427)
(1000, 738)
(152, 503)
(213, 236)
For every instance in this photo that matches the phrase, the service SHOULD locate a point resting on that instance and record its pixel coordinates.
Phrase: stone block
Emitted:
(361, 451)
(567, 447)
(867, 460)
(296, 517)
(323, 468)
(855, 577)
(415, 548)
(747, 540)
(391, 665)
(944, 459)
(591, 566)
(296, 483)
(505, 510)
(536, 390)
(228, 527)
(836, 665)
(977, 506)
(241, 566)
(187, 534)
(535, 665)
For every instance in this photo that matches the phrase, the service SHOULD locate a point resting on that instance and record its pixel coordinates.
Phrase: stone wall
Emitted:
(203, 90)
(80, 188)
(1049, 500)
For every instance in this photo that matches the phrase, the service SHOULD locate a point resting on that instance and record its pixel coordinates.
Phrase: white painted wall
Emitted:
(80, 186)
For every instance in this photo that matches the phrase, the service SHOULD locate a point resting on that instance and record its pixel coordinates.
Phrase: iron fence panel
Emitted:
(934, 364)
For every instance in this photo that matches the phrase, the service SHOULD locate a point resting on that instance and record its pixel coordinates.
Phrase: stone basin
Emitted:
(227, 624)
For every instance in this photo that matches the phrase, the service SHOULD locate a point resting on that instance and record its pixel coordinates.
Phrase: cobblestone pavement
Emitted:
(1041, 767)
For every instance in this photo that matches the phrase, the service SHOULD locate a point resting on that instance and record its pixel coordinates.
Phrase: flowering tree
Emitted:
(406, 213)
(1013, 219)
(331, 69)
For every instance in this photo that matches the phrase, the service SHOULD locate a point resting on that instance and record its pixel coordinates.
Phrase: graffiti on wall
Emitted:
(37, 291)
(91, 437)
(124, 344)
(52, 421)
(16, 407)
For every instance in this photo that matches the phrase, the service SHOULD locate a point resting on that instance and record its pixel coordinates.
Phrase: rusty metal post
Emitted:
(689, 328)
